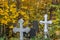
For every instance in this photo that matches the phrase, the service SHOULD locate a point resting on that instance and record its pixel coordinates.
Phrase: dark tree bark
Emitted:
(18, 4)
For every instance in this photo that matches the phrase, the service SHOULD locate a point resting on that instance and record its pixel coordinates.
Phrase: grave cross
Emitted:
(21, 29)
(46, 25)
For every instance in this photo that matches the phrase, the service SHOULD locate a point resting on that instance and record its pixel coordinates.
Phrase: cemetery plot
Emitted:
(27, 12)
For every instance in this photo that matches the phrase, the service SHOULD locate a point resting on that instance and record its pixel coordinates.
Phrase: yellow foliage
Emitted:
(10, 13)
(1, 11)
(6, 4)
(11, 26)
(13, 8)
(3, 21)
(55, 21)
(23, 0)
(14, 14)
(25, 23)
(22, 13)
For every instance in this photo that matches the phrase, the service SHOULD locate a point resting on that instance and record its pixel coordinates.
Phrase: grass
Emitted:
(1, 38)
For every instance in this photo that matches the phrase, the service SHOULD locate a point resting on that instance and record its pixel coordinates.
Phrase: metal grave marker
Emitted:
(46, 22)
(21, 29)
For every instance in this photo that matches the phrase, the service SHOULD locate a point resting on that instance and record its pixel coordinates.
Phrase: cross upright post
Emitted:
(46, 22)
(21, 29)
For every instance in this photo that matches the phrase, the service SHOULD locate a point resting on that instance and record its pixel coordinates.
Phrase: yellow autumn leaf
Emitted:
(11, 26)
(25, 23)
(22, 13)
(14, 21)
(1, 11)
(5, 17)
(3, 21)
(8, 20)
(23, 0)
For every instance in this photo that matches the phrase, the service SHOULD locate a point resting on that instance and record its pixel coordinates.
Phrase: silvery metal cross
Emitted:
(46, 22)
(21, 29)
